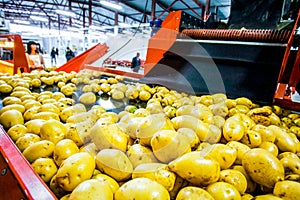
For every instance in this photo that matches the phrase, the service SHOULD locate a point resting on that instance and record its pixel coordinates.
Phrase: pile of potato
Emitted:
(162, 145)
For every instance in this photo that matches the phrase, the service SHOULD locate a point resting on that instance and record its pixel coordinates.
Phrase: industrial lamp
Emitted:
(111, 5)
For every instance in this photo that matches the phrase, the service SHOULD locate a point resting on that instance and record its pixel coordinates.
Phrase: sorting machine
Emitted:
(181, 56)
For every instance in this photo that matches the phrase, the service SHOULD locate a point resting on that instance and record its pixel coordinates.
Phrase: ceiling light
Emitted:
(21, 21)
(112, 5)
(37, 18)
(66, 13)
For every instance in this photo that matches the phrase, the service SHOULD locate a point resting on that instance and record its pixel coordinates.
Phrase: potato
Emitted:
(109, 136)
(204, 131)
(291, 165)
(87, 98)
(224, 154)
(11, 100)
(18, 107)
(223, 191)
(114, 163)
(247, 197)
(233, 129)
(56, 189)
(156, 171)
(10, 118)
(168, 145)
(39, 149)
(45, 168)
(92, 189)
(46, 116)
(64, 149)
(266, 133)
(251, 138)
(141, 112)
(53, 130)
(235, 178)
(79, 117)
(49, 107)
(79, 133)
(26, 140)
(287, 190)
(69, 111)
(139, 154)
(142, 188)
(200, 112)
(16, 131)
(150, 125)
(263, 167)
(74, 170)
(112, 183)
(267, 197)
(283, 140)
(189, 135)
(191, 193)
(251, 185)
(196, 168)
(5, 88)
(241, 150)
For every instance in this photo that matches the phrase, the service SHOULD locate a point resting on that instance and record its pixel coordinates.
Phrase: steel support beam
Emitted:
(153, 9)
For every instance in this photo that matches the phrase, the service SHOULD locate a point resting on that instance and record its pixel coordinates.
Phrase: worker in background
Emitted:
(34, 58)
(69, 54)
(53, 56)
(136, 63)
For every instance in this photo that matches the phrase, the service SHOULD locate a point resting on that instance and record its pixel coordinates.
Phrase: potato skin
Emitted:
(142, 188)
(263, 167)
(287, 190)
(190, 193)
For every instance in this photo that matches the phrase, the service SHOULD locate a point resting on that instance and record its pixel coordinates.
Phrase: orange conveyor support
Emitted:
(19, 58)
(91, 55)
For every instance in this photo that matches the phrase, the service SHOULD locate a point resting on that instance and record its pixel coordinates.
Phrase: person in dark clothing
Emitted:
(53, 56)
(136, 63)
(69, 54)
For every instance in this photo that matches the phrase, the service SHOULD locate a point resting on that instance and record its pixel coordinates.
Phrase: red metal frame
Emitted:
(29, 181)
(77, 63)
(19, 57)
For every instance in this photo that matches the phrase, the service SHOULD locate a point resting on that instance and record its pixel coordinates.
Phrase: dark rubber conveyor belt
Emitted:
(237, 68)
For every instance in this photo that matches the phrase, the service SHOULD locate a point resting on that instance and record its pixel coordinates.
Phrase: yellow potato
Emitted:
(291, 165)
(247, 197)
(251, 185)
(241, 150)
(287, 190)
(142, 188)
(235, 178)
(271, 147)
(191, 136)
(45, 168)
(39, 149)
(16, 131)
(28, 114)
(56, 189)
(156, 171)
(92, 189)
(11, 100)
(267, 135)
(79, 132)
(233, 129)
(150, 125)
(46, 116)
(223, 191)
(64, 149)
(10, 118)
(48, 107)
(168, 145)
(74, 170)
(224, 154)
(267, 197)
(251, 138)
(191, 193)
(139, 154)
(112, 183)
(283, 140)
(69, 111)
(53, 130)
(114, 163)
(244, 101)
(26, 140)
(87, 98)
(34, 125)
(263, 167)
(109, 136)
(196, 168)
